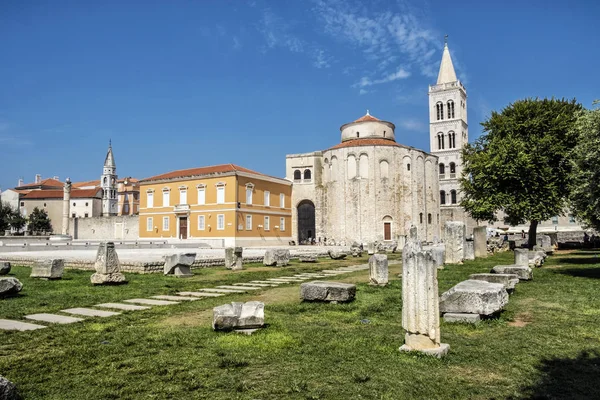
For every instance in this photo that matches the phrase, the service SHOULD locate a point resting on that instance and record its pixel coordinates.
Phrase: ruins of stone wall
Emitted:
(106, 228)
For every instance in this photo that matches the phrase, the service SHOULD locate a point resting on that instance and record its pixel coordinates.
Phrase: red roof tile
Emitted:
(58, 194)
(86, 183)
(367, 117)
(215, 169)
(50, 182)
(365, 142)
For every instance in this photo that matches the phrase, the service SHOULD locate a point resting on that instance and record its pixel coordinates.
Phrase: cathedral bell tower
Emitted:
(108, 182)
(448, 131)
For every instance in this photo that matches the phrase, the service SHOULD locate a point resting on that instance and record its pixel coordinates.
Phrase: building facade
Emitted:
(366, 188)
(222, 205)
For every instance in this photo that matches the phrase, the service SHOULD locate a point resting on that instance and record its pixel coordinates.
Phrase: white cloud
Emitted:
(366, 81)
(321, 60)
(412, 125)
(363, 91)
(237, 44)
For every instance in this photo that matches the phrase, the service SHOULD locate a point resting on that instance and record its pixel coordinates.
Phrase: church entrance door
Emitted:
(183, 221)
(306, 222)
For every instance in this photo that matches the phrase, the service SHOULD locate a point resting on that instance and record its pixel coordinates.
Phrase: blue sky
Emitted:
(180, 84)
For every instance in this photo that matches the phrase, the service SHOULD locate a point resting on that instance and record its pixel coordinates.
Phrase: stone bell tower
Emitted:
(108, 182)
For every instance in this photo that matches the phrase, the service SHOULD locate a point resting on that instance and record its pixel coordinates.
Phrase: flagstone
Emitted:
(237, 287)
(151, 302)
(89, 312)
(53, 318)
(120, 306)
(201, 294)
(11, 325)
(174, 298)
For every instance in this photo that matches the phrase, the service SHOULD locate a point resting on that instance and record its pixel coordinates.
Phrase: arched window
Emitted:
(453, 196)
(450, 109)
(297, 175)
(442, 197)
(408, 167)
(451, 140)
(428, 218)
(357, 134)
(442, 169)
(351, 166)
(105, 180)
(307, 174)
(441, 141)
(363, 166)
(421, 218)
(439, 108)
(452, 168)
(384, 169)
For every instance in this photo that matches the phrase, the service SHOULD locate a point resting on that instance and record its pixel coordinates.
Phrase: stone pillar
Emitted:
(469, 250)
(455, 241)
(420, 302)
(234, 258)
(107, 266)
(66, 204)
(378, 270)
(480, 241)
(413, 234)
(522, 257)
(371, 248)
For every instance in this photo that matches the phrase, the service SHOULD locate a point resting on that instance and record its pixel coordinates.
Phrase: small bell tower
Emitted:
(108, 182)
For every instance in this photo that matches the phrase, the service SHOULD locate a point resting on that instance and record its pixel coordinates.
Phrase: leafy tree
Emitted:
(5, 213)
(17, 221)
(585, 185)
(520, 165)
(39, 221)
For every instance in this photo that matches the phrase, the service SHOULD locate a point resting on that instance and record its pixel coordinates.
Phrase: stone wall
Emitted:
(105, 228)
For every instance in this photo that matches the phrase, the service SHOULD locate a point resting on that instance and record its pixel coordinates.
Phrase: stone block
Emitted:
(480, 241)
(524, 273)
(276, 257)
(179, 264)
(4, 267)
(234, 258)
(508, 280)
(461, 318)
(10, 286)
(108, 279)
(522, 257)
(378, 270)
(307, 259)
(337, 254)
(470, 250)
(48, 269)
(455, 241)
(474, 297)
(8, 390)
(371, 248)
(438, 252)
(249, 315)
(536, 258)
(327, 291)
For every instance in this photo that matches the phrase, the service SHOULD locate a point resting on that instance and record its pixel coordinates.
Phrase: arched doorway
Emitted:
(306, 221)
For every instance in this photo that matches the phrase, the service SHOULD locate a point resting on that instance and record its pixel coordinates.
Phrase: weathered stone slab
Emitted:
(327, 291)
(276, 257)
(48, 269)
(107, 266)
(249, 315)
(4, 267)
(90, 312)
(267, 282)
(278, 280)
(336, 271)
(260, 285)
(8, 390)
(174, 298)
(462, 318)
(53, 318)
(151, 302)
(455, 241)
(214, 290)
(10, 325)
(469, 250)
(522, 257)
(524, 273)
(378, 269)
(337, 254)
(508, 280)
(124, 307)
(480, 241)
(201, 294)
(234, 258)
(536, 258)
(10, 286)
(474, 297)
(308, 259)
(438, 252)
(237, 287)
(179, 264)
(371, 248)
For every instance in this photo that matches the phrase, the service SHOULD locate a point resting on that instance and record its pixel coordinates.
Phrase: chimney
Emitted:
(20, 183)
(56, 178)
(38, 178)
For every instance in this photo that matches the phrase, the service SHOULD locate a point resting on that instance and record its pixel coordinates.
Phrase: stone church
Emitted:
(369, 187)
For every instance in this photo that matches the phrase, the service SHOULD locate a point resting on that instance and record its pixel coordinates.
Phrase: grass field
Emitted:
(545, 345)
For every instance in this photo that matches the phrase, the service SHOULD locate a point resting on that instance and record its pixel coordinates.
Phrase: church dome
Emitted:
(369, 127)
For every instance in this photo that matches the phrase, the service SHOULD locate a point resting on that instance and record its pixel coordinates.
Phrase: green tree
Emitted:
(585, 185)
(39, 221)
(16, 220)
(5, 213)
(520, 165)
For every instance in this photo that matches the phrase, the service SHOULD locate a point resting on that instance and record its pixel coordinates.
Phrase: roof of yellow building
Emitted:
(192, 172)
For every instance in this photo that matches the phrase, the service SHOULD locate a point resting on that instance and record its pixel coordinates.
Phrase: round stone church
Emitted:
(366, 188)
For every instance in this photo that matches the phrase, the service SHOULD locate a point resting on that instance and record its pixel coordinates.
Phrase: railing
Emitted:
(452, 176)
(442, 176)
(443, 86)
(181, 207)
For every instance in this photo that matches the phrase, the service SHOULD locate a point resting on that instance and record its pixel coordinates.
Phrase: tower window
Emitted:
(442, 169)
(421, 218)
(408, 167)
(297, 175)
(307, 175)
(429, 218)
(439, 108)
(357, 134)
(453, 196)
(450, 109)
(441, 141)
(442, 197)
(452, 168)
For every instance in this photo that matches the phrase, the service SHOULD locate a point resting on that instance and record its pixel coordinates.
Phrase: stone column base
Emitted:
(438, 352)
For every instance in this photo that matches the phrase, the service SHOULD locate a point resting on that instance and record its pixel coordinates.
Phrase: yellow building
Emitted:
(223, 205)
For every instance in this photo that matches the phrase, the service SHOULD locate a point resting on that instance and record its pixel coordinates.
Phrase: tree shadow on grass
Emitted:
(582, 260)
(593, 273)
(567, 378)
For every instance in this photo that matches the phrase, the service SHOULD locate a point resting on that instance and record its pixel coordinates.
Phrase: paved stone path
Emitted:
(166, 300)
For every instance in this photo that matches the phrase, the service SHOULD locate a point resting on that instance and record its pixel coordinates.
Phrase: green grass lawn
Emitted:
(545, 345)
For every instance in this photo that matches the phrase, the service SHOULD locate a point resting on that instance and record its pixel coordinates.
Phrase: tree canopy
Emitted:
(39, 221)
(585, 185)
(10, 218)
(520, 165)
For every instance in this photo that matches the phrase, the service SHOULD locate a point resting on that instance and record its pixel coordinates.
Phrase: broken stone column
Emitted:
(371, 248)
(522, 257)
(438, 251)
(455, 241)
(48, 269)
(480, 241)
(378, 270)
(179, 265)
(276, 257)
(420, 303)
(108, 268)
(239, 316)
(469, 250)
(233, 258)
